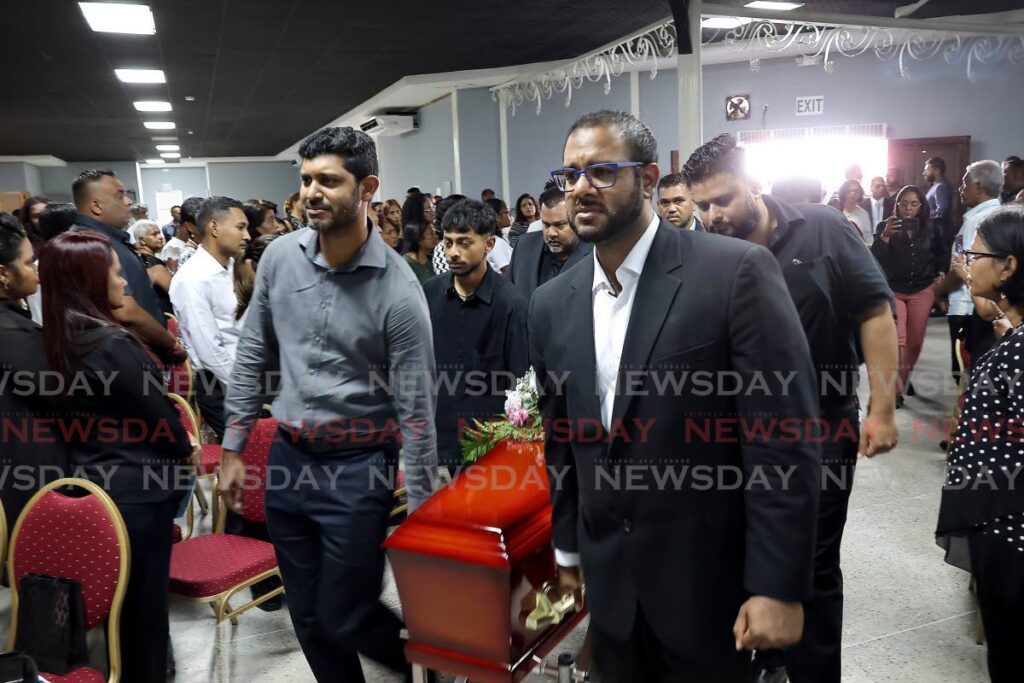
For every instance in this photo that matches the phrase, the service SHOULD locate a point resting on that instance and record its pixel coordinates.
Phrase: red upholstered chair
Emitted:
(75, 538)
(214, 567)
(211, 451)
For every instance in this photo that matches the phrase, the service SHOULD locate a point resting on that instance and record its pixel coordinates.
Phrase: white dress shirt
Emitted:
(960, 300)
(178, 251)
(535, 226)
(611, 319)
(501, 255)
(860, 220)
(877, 211)
(203, 296)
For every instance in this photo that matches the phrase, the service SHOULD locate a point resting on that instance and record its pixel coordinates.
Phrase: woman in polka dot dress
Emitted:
(981, 518)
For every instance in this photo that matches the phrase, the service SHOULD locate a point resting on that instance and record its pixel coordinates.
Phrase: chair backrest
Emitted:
(188, 416)
(172, 325)
(254, 458)
(81, 538)
(180, 379)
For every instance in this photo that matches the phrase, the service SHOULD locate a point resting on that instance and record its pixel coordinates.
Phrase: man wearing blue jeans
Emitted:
(342, 317)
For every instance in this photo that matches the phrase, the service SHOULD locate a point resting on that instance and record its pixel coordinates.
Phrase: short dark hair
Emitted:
(356, 148)
(496, 205)
(442, 206)
(254, 214)
(373, 205)
(470, 215)
(671, 180)
(487, 190)
(1003, 231)
(643, 146)
(79, 188)
(937, 162)
(190, 209)
(414, 188)
(213, 208)
(55, 219)
(551, 196)
(176, 206)
(1014, 163)
(11, 237)
(722, 154)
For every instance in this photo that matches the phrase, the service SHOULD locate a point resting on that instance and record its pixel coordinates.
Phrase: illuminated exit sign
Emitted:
(812, 105)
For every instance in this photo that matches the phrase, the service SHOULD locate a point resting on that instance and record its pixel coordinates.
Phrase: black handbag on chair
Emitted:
(51, 623)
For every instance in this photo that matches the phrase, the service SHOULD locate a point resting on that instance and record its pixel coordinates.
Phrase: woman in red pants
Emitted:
(911, 254)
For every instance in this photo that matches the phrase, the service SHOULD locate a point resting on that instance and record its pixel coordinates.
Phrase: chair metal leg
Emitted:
(204, 507)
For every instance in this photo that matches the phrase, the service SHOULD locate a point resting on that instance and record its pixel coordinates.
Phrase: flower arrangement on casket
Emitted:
(522, 421)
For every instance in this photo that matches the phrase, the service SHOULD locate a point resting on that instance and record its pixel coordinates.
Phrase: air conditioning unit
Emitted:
(390, 124)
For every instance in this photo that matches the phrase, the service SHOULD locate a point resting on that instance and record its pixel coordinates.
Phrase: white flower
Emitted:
(513, 402)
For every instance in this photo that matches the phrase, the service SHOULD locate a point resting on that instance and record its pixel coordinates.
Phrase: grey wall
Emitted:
(425, 157)
(56, 182)
(479, 142)
(12, 177)
(535, 142)
(191, 182)
(33, 179)
(273, 180)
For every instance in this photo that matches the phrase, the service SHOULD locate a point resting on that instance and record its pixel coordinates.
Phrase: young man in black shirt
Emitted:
(842, 297)
(479, 324)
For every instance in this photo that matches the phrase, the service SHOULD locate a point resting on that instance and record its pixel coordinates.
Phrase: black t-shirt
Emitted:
(833, 280)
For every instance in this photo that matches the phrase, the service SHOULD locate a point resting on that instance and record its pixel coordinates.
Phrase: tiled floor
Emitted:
(908, 615)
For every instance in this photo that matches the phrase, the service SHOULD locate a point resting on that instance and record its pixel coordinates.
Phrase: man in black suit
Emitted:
(541, 256)
(879, 205)
(843, 298)
(696, 541)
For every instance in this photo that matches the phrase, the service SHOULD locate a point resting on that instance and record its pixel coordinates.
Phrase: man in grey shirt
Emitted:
(342, 317)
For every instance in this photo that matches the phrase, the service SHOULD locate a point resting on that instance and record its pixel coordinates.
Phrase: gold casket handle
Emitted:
(547, 611)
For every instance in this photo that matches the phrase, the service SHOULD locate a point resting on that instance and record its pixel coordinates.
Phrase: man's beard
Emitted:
(743, 229)
(618, 221)
(556, 247)
(345, 214)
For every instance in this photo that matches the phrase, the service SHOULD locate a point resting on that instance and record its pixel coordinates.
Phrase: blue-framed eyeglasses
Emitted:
(599, 176)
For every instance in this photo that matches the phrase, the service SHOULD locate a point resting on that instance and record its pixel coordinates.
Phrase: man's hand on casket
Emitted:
(765, 623)
(570, 580)
(231, 479)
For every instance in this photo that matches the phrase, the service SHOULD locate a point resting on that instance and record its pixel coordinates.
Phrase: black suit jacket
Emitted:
(687, 554)
(524, 270)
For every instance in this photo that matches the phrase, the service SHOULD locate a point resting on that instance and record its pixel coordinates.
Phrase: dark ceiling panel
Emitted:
(265, 72)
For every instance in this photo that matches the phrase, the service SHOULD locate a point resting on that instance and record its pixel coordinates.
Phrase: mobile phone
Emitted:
(910, 224)
(958, 245)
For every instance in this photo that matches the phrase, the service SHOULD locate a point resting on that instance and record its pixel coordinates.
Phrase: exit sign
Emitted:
(813, 105)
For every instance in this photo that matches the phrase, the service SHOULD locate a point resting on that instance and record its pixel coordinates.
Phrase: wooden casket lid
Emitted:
(497, 511)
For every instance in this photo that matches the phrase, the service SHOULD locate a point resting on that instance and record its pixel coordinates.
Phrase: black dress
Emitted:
(981, 517)
(163, 298)
(31, 452)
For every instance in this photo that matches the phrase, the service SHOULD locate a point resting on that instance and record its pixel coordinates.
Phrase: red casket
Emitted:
(469, 563)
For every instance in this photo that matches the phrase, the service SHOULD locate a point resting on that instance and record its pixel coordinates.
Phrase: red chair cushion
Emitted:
(83, 674)
(255, 457)
(209, 565)
(211, 459)
(178, 380)
(73, 538)
(400, 479)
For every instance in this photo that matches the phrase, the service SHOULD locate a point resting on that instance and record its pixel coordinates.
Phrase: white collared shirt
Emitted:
(960, 301)
(877, 211)
(177, 250)
(611, 319)
(203, 295)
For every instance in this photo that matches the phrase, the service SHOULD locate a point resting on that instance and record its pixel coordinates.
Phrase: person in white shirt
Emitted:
(180, 248)
(501, 255)
(979, 193)
(203, 296)
(850, 196)
(880, 206)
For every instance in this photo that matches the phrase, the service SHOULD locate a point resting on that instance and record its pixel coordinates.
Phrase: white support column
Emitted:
(503, 131)
(455, 142)
(634, 93)
(691, 124)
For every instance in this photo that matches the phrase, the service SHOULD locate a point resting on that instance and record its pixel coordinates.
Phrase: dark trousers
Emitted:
(817, 657)
(959, 326)
(328, 539)
(210, 397)
(642, 657)
(998, 569)
(144, 632)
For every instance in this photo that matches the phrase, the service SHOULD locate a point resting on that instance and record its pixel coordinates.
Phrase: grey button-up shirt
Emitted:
(354, 348)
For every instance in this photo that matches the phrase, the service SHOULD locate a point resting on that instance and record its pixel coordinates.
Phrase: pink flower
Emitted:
(518, 417)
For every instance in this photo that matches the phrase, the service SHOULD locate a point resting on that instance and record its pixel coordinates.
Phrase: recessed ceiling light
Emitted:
(140, 75)
(168, 148)
(152, 106)
(772, 5)
(724, 22)
(116, 17)
(189, 98)
(159, 125)
(191, 132)
(171, 155)
(155, 161)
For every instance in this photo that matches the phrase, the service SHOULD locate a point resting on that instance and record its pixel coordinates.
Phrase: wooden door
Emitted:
(9, 201)
(909, 156)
